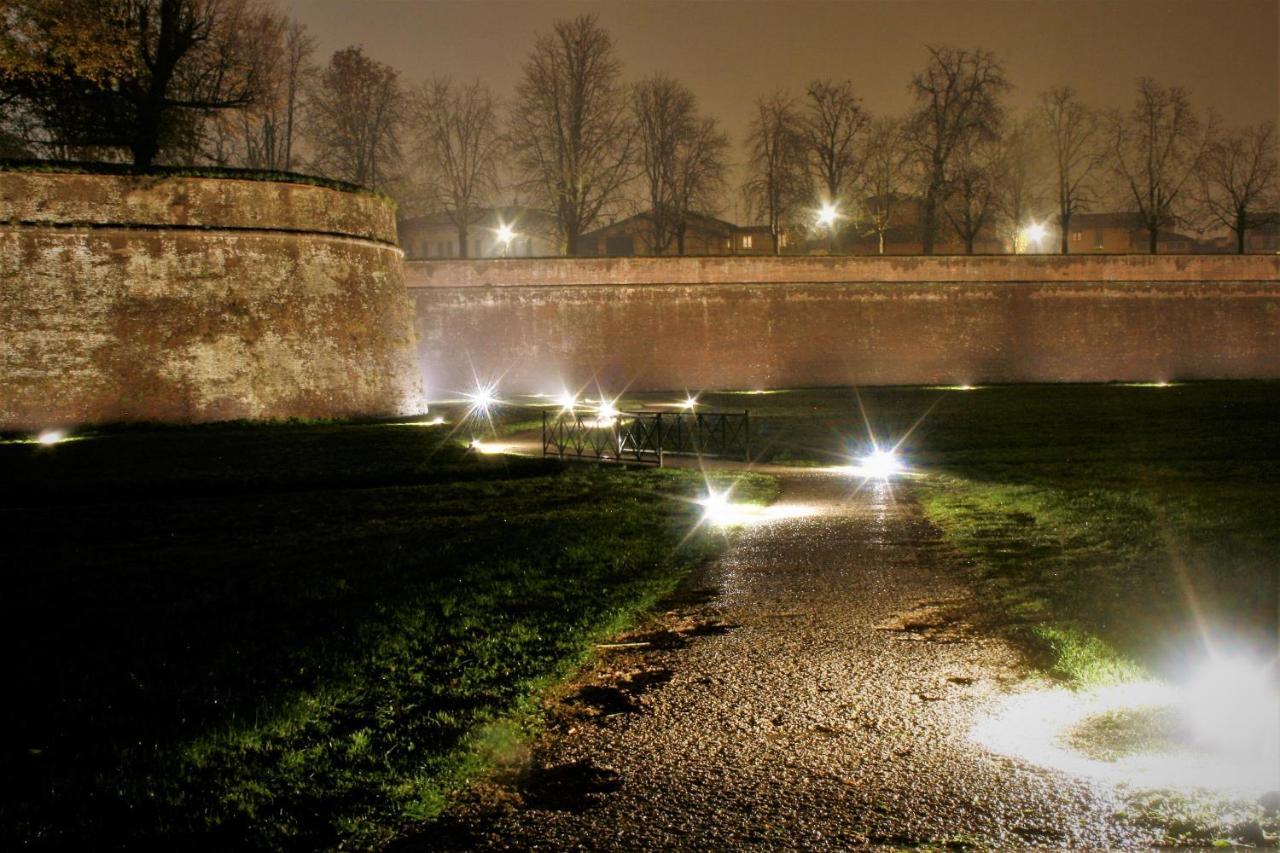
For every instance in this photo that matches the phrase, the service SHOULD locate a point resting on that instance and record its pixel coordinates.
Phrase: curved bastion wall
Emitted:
(792, 322)
(186, 299)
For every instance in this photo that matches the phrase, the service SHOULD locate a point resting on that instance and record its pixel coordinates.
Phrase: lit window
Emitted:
(746, 242)
(1077, 236)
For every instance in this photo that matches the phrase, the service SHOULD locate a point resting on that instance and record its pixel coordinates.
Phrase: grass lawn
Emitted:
(298, 636)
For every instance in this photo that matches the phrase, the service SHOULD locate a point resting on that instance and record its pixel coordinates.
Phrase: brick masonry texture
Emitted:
(744, 323)
(142, 299)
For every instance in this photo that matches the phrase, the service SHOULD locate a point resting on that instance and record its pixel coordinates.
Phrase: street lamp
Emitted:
(505, 235)
(1033, 234)
(827, 216)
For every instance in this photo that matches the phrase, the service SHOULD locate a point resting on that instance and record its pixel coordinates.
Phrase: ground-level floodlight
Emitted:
(490, 448)
(689, 402)
(1233, 703)
(482, 399)
(880, 464)
(567, 401)
(50, 436)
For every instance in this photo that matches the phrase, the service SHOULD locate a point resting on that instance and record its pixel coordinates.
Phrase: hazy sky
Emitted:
(1225, 52)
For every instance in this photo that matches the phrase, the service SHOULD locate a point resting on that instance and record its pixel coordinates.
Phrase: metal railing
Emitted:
(645, 437)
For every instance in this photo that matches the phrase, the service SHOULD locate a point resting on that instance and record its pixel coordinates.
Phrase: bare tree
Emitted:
(1240, 181)
(354, 119)
(682, 158)
(1019, 178)
(957, 105)
(1075, 138)
(778, 178)
(700, 176)
(459, 138)
(883, 180)
(663, 111)
(1156, 150)
(570, 127)
(834, 126)
(974, 198)
(138, 75)
(261, 135)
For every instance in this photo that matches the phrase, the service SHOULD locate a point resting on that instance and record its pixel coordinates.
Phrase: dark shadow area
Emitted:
(574, 787)
(279, 636)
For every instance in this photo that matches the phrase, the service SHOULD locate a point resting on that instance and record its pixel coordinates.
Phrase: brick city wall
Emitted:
(698, 323)
(194, 299)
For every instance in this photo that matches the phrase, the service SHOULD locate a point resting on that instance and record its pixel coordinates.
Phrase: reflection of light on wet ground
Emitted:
(723, 513)
(491, 447)
(46, 438)
(876, 471)
(1034, 728)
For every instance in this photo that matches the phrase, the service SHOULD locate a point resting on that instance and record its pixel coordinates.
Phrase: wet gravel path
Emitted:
(813, 690)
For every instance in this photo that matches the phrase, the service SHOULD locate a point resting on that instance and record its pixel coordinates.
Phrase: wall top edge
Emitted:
(560, 272)
(140, 201)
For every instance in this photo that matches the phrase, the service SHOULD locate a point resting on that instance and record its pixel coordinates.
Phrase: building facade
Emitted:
(1122, 233)
(497, 232)
(704, 235)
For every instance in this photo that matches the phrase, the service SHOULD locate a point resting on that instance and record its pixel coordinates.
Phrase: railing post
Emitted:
(544, 433)
(746, 427)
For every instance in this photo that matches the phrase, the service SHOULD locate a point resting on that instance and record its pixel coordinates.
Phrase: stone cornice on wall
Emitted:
(53, 199)
(564, 272)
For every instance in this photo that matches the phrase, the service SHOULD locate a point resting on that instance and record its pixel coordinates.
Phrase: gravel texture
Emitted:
(813, 688)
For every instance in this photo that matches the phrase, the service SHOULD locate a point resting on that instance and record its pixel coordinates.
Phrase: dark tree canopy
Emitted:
(1156, 148)
(571, 131)
(1074, 135)
(131, 76)
(958, 104)
(834, 127)
(355, 116)
(682, 158)
(1240, 181)
(458, 138)
(778, 182)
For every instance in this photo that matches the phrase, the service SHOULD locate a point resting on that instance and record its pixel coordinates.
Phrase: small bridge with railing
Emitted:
(645, 437)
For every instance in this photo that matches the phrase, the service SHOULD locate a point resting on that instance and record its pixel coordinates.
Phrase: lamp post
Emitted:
(1033, 234)
(505, 235)
(827, 216)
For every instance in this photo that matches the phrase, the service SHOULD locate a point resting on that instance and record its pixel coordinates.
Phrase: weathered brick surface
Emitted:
(62, 199)
(817, 270)
(111, 323)
(794, 322)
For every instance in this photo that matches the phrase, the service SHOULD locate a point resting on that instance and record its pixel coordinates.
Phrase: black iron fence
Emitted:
(645, 437)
